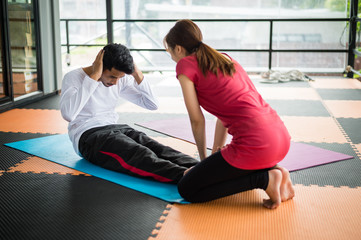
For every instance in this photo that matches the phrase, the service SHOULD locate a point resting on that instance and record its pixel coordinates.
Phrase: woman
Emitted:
(260, 140)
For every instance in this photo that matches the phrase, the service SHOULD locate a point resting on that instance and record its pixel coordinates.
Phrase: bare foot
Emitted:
(287, 189)
(273, 189)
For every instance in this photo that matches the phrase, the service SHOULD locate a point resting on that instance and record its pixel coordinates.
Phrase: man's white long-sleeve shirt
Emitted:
(86, 103)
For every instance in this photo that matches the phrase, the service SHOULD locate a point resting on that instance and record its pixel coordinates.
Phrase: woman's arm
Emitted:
(220, 136)
(195, 114)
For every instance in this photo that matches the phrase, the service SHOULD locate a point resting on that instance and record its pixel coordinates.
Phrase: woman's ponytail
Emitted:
(210, 60)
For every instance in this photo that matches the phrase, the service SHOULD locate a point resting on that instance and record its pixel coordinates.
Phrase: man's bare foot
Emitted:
(273, 189)
(287, 189)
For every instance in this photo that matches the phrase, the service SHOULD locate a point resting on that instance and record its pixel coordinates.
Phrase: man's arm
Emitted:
(76, 90)
(75, 93)
(137, 74)
(136, 89)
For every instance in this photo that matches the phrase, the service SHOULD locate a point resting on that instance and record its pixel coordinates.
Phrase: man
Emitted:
(88, 100)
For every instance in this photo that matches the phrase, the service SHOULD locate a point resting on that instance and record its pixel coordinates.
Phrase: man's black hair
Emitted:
(118, 56)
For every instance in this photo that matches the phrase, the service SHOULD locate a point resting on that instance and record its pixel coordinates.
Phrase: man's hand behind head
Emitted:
(137, 74)
(97, 67)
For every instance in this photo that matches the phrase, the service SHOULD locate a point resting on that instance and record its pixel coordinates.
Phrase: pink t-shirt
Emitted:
(260, 139)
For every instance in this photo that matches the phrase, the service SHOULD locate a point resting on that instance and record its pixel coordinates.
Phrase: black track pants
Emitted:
(214, 178)
(121, 148)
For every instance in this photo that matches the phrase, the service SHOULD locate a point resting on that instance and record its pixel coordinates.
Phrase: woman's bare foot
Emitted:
(287, 189)
(273, 189)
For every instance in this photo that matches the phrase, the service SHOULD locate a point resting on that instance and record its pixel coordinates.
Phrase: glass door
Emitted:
(23, 48)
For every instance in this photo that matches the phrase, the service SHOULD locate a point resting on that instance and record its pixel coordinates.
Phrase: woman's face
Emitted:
(177, 53)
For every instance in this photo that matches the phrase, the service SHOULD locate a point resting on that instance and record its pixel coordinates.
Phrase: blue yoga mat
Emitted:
(59, 149)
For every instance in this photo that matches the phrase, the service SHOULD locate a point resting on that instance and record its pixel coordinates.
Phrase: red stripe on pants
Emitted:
(136, 170)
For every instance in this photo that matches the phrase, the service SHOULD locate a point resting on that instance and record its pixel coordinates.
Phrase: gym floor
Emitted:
(43, 200)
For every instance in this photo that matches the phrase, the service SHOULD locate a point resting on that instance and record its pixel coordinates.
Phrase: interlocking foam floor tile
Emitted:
(39, 165)
(52, 102)
(358, 147)
(343, 83)
(288, 93)
(352, 127)
(340, 94)
(314, 129)
(44, 206)
(341, 173)
(299, 108)
(315, 213)
(344, 108)
(9, 157)
(33, 121)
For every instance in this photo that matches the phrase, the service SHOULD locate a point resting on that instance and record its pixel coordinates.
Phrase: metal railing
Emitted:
(270, 50)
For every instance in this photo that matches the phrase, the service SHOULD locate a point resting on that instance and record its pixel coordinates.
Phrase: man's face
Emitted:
(110, 78)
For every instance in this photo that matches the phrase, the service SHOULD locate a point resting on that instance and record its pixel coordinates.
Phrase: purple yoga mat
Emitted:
(300, 155)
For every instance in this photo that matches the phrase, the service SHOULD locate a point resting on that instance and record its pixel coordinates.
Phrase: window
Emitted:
(240, 27)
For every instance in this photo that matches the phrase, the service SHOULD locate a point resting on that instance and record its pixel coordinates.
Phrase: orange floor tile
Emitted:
(341, 83)
(315, 213)
(314, 129)
(39, 165)
(344, 108)
(33, 121)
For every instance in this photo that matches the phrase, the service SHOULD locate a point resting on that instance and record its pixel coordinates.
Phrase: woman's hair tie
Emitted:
(195, 48)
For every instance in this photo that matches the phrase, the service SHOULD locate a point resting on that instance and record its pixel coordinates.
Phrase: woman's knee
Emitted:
(185, 189)
(188, 190)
